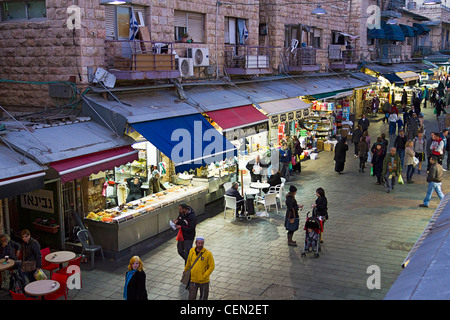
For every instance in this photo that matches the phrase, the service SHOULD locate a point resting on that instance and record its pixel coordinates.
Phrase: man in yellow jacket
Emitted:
(201, 270)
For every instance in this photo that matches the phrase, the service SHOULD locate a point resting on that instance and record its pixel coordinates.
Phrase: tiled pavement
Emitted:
(367, 227)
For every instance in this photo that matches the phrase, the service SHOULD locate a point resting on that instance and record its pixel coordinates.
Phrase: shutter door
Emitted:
(196, 27)
(138, 12)
(110, 22)
(227, 30)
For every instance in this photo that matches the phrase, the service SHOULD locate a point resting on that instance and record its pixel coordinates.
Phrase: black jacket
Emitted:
(357, 134)
(188, 222)
(232, 192)
(322, 207)
(136, 286)
(31, 251)
(274, 180)
(291, 204)
(340, 152)
(10, 250)
(400, 142)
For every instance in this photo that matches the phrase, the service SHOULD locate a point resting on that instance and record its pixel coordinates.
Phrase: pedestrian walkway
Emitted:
(367, 227)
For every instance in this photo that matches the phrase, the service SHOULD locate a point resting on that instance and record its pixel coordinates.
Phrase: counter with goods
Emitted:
(121, 227)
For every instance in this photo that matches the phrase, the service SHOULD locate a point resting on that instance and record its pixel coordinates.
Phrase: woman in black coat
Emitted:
(339, 155)
(377, 161)
(320, 208)
(135, 281)
(291, 212)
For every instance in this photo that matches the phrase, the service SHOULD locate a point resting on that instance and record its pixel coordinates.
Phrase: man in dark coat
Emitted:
(339, 155)
(356, 138)
(364, 123)
(186, 222)
(274, 180)
(233, 192)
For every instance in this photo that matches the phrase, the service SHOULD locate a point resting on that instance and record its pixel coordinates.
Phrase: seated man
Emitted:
(233, 192)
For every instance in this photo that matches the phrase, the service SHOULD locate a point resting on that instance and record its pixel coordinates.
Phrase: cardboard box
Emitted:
(328, 146)
(320, 144)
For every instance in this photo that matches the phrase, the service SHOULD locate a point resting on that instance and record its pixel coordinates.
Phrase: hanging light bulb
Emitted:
(391, 21)
(319, 11)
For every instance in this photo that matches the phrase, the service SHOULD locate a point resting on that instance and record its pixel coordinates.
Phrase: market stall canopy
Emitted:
(280, 111)
(421, 28)
(397, 67)
(393, 32)
(375, 33)
(394, 79)
(239, 122)
(18, 174)
(408, 31)
(335, 94)
(189, 141)
(76, 168)
(408, 76)
(52, 144)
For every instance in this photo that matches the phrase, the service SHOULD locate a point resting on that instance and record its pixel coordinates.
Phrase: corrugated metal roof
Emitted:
(65, 141)
(425, 276)
(11, 164)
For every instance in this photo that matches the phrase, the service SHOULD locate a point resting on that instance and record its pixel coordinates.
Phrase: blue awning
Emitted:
(408, 31)
(393, 78)
(375, 33)
(421, 28)
(189, 141)
(393, 32)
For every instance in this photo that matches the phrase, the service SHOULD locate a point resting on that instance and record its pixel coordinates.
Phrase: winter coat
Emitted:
(136, 286)
(188, 222)
(363, 148)
(409, 156)
(357, 134)
(340, 151)
(31, 251)
(203, 267)
(377, 161)
(387, 165)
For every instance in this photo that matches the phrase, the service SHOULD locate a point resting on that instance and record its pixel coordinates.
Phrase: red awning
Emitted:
(237, 117)
(83, 166)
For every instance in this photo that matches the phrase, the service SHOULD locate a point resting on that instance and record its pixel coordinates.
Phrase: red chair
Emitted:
(62, 291)
(73, 262)
(20, 296)
(45, 264)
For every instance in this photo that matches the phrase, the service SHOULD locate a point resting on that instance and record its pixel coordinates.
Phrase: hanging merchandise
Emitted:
(162, 168)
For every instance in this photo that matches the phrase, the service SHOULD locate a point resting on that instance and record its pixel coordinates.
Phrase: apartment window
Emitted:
(337, 38)
(190, 23)
(118, 20)
(235, 31)
(22, 10)
(316, 35)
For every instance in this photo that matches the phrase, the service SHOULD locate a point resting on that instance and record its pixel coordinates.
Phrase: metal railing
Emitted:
(247, 57)
(388, 52)
(420, 51)
(336, 53)
(125, 55)
(304, 56)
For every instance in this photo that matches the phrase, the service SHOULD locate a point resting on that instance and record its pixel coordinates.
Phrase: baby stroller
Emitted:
(313, 228)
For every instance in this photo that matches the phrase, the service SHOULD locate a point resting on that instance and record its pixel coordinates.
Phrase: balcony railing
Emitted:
(247, 60)
(389, 53)
(342, 58)
(139, 60)
(300, 59)
(421, 51)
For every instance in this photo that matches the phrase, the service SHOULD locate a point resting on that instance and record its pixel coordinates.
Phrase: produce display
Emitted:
(145, 205)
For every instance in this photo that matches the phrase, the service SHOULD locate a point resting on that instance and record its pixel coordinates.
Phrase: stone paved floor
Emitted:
(367, 227)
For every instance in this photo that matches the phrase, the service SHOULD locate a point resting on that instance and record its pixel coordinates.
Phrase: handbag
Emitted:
(400, 179)
(291, 224)
(28, 266)
(187, 275)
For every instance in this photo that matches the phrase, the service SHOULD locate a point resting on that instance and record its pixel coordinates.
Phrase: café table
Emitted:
(60, 257)
(260, 186)
(41, 288)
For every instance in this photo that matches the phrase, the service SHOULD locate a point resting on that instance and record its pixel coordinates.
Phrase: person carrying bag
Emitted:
(291, 221)
(185, 279)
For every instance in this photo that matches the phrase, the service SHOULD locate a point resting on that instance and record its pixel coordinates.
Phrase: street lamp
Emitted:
(391, 21)
(115, 1)
(319, 11)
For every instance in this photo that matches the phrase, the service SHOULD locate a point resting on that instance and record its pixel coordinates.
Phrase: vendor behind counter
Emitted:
(155, 184)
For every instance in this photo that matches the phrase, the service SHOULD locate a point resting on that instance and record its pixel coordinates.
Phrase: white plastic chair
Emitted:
(230, 202)
(227, 185)
(269, 199)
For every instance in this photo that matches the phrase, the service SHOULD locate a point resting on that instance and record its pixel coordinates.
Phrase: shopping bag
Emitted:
(371, 171)
(400, 179)
(40, 275)
(416, 161)
(293, 160)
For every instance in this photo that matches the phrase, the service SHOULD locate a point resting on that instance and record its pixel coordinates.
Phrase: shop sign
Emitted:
(246, 131)
(277, 119)
(40, 200)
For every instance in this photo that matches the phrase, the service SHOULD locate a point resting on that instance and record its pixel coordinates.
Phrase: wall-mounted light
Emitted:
(115, 1)
(319, 11)
(391, 21)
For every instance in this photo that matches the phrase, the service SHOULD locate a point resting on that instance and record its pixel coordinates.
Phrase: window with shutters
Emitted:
(316, 35)
(117, 22)
(189, 23)
(22, 10)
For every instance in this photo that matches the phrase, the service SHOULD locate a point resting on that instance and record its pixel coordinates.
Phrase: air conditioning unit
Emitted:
(186, 67)
(200, 56)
